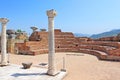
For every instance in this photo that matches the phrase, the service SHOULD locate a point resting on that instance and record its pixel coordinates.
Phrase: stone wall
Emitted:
(38, 44)
(111, 38)
(105, 50)
(21, 36)
(66, 42)
(11, 46)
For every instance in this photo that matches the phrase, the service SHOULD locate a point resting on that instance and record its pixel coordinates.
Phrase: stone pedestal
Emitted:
(3, 42)
(51, 56)
(11, 41)
(11, 46)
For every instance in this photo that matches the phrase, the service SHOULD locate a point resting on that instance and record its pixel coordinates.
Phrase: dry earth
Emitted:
(79, 66)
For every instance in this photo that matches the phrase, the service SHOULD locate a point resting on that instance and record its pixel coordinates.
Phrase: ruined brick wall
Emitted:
(84, 39)
(115, 52)
(36, 45)
(112, 38)
(64, 42)
(22, 36)
(107, 47)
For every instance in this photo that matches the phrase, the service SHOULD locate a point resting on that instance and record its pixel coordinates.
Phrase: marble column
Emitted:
(3, 42)
(51, 56)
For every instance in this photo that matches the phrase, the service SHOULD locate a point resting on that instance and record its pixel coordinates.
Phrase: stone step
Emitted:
(99, 54)
(63, 36)
(101, 43)
(97, 47)
(35, 47)
(40, 51)
(66, 50)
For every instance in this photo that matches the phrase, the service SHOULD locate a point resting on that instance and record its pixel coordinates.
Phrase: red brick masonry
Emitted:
(67, 42)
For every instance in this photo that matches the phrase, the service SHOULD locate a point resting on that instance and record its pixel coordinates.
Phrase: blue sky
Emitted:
(78, 16)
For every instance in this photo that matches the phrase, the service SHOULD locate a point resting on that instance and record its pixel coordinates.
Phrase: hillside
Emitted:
(106, 34)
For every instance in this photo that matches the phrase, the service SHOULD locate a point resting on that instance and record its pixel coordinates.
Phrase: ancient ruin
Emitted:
(67, 42)
(3, 42)
(52, 41)
(51, 56)
(34, 28)
(106, 48)
(9, 44)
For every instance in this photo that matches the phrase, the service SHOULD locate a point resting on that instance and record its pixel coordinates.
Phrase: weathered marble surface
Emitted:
(15, 72)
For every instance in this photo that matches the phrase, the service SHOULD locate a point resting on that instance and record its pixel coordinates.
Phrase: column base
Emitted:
(52, 73)
(4, 64)
(63, 70)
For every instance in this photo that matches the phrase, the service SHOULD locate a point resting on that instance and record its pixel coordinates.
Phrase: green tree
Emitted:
(19, 30)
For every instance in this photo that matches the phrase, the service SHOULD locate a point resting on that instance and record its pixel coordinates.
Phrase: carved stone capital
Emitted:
(51, 13)
(4, 20)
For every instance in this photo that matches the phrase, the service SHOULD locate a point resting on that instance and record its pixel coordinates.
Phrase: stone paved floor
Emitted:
(15, 72)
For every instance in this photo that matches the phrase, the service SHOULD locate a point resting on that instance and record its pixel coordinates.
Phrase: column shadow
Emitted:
(28, 74)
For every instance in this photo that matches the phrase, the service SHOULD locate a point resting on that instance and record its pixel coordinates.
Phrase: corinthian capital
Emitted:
(4, 20)
(51, 13)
